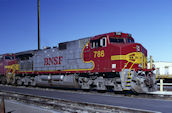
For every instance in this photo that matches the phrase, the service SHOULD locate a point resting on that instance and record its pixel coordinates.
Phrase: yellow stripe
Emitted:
(83, 61)
(118, 57)
(127, 89)
(129, 77)
(127, 85)
(13, 67)
(134, 57)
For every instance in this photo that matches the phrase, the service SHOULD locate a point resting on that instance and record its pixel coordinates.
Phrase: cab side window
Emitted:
(103, 42)
(9, 57)
(95, 43)
(98, 43)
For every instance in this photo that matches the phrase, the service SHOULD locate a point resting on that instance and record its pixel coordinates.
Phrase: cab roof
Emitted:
(114, 34)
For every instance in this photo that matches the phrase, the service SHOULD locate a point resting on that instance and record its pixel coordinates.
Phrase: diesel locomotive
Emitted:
(111, 61)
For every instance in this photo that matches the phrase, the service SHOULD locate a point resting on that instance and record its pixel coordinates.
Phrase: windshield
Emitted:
(130, 40)
(116, 40)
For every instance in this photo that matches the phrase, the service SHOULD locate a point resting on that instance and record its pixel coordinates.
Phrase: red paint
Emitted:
(53, 60)
(102, 64)
(5, 62)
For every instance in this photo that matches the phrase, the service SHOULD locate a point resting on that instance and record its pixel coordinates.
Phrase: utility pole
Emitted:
(2, 105)
(38, 26)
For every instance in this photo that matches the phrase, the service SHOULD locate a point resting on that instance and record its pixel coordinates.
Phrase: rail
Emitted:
(67, 105)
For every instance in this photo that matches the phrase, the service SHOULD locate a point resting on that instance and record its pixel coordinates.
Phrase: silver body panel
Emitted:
(71, 57)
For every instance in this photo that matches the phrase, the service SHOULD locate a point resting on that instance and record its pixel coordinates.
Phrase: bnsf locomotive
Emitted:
(111, 61)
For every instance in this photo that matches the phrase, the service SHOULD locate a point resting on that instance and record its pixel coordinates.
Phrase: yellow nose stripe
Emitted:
(134, 57)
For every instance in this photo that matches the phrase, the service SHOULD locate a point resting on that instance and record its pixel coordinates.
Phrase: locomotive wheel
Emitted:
(19, 82)
(33, 83)
(3, 80)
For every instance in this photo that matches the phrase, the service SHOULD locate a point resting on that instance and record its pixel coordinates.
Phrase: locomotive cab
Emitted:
(6, 71)
(5, 60)
(119, 58)
(7, 57)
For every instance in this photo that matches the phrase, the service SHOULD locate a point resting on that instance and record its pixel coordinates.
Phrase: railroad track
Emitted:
(67, 105)
(108, 93)
(79, 101)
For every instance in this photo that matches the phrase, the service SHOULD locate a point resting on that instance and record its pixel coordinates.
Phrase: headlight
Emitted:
(138, 48)
(140, 66)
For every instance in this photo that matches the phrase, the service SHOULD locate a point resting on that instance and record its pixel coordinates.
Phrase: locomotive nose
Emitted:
(141, 56)
(140, 48)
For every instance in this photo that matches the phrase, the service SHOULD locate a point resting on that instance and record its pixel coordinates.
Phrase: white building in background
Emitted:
(163, 68)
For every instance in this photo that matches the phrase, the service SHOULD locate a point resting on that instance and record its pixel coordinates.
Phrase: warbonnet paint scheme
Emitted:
(107, 61)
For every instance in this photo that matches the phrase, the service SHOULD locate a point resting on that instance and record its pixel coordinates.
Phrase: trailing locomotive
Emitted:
(108, 61)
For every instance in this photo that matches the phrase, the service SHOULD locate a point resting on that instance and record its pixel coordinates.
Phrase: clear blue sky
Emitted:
(149, 22)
